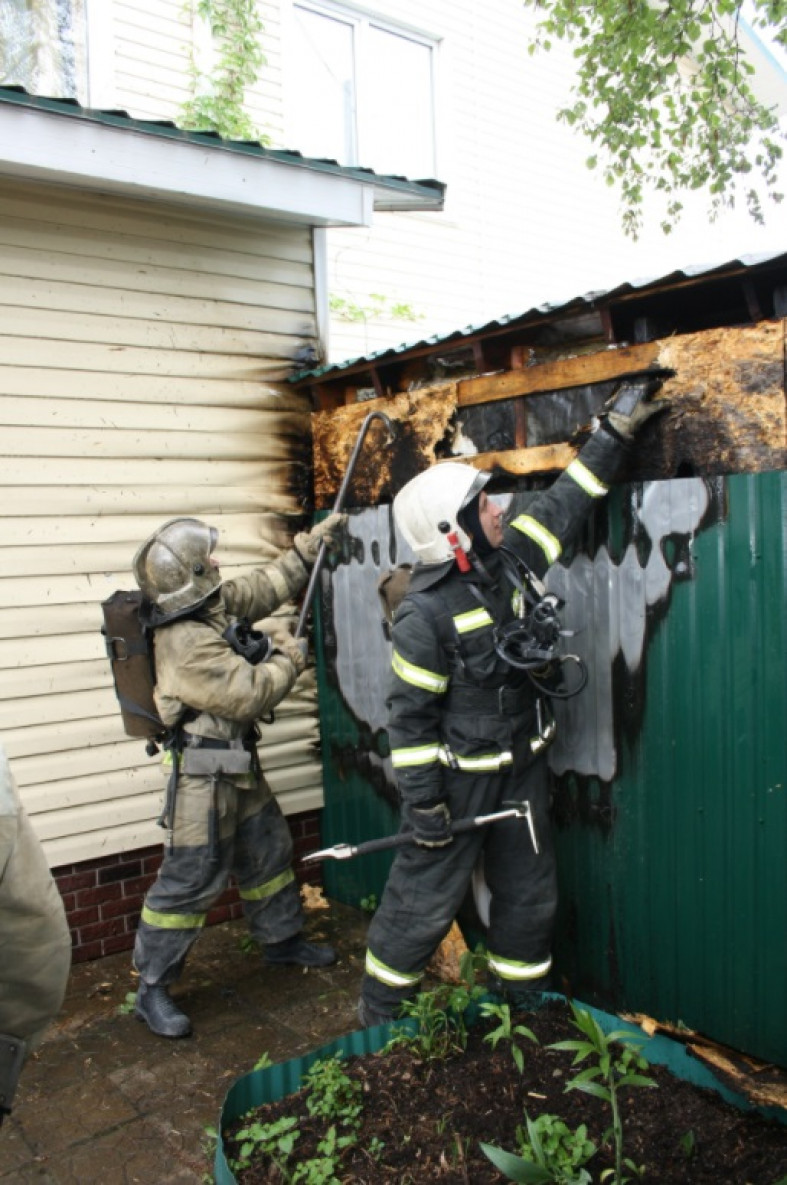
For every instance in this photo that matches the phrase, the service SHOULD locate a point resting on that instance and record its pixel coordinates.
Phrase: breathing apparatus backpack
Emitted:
(129, 645)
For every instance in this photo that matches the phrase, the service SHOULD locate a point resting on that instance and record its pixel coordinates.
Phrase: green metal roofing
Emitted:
(574, 306)
(391, 192)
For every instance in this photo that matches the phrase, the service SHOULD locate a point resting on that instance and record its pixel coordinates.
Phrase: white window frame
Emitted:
(362, 19)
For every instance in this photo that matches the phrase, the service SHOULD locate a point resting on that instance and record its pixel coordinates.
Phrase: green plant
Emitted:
(376, 1147)
(436, 1033)
(617, 1065)
(128, 1004)
(263, 1062)
(375, 307)
(322, 1169)
(505, 1031)
(247, 945)
(331, 1094)
(551, 1152)
(274, 1140)
(369, 904)
(211, 1139)
(688, 1144)
(548, 1141)
(440, 1015)
(217, 101)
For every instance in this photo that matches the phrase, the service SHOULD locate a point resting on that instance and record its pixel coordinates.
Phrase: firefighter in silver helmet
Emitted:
(34, 939)
(216, 676)
(475, 667)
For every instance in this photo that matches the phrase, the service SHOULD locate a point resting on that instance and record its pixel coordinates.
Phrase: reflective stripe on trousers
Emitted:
(254, 845)
(426, 888)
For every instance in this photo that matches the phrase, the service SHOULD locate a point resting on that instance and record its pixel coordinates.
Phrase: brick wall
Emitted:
(103, 898)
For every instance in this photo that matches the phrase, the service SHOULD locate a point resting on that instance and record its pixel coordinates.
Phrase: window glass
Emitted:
(322, 79)
(361, 91)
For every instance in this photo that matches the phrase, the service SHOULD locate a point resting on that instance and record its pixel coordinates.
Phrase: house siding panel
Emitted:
(138, 353)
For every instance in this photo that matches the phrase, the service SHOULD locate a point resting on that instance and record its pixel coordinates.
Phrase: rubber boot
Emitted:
(300, 953)
(521, 997)
(160, 1013)
(370, 1016)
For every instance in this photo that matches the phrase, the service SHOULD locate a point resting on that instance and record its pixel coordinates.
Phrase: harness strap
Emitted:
(502, 701)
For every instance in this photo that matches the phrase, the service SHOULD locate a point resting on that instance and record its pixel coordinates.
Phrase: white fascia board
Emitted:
(82, 153)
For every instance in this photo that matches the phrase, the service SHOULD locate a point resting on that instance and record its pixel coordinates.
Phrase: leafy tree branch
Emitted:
(663, 91)
(217, 101)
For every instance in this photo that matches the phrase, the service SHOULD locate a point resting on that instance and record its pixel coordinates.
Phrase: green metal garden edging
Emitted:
(275, 1082)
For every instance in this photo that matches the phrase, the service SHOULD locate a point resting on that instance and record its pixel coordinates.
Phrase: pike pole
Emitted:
(337, 507)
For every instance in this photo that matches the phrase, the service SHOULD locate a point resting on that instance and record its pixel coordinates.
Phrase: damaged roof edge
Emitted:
(692, 275)
(390, 192)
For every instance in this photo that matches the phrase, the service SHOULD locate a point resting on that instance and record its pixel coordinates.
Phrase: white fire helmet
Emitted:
(173, 566)
(427, 509)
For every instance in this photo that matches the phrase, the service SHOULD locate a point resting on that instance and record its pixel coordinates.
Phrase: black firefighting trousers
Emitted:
(426, 888)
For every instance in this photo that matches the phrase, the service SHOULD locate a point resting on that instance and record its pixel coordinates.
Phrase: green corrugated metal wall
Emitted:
(680, 910)
(677, 907)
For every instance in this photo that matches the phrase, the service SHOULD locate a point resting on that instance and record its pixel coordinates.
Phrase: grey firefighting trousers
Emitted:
(220, 828)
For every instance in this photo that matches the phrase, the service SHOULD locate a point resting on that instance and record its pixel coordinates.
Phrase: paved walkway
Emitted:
(104, 1100)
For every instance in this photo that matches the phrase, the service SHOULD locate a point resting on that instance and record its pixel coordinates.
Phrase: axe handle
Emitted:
(403, 838)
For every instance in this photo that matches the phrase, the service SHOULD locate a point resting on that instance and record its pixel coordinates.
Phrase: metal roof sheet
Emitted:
(391, 192)
(575, 304)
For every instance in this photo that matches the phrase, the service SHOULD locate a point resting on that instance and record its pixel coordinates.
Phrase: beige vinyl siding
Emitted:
(151, 49)
(139, 352)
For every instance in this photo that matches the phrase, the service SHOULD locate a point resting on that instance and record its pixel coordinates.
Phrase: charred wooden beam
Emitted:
(727, 415)
(556, 376)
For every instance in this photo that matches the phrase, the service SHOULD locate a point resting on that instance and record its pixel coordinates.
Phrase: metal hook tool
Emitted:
(345, 851)
(337, 506)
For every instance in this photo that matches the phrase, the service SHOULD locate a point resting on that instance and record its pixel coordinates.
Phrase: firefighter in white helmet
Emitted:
(474, 669)
(216, 676)
(34, 939)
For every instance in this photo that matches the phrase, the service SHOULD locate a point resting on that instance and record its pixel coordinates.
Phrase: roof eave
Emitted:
(57, 142)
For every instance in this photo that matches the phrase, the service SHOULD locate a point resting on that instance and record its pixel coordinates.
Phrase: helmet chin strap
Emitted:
(469, 518)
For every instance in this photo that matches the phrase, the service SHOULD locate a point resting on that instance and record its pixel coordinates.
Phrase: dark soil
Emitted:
(431, 1117)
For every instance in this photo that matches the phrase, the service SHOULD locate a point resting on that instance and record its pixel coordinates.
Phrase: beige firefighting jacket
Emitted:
(197, 668)
(35, 945)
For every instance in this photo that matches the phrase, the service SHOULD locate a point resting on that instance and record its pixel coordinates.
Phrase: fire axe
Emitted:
(346, 851)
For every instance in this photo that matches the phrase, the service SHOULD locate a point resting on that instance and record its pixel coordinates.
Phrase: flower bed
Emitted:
(419, 1113)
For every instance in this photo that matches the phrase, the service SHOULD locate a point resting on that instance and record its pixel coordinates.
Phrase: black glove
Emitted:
(431, 825)
(630, 408)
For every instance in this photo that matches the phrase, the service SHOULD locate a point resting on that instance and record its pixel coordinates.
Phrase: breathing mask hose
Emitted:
(530, 644)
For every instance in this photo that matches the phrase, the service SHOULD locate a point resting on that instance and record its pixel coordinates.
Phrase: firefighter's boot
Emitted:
(300, 953)
(369, 1016)
(161, 1014)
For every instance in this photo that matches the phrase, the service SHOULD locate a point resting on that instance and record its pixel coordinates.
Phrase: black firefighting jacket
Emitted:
(453, 702)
